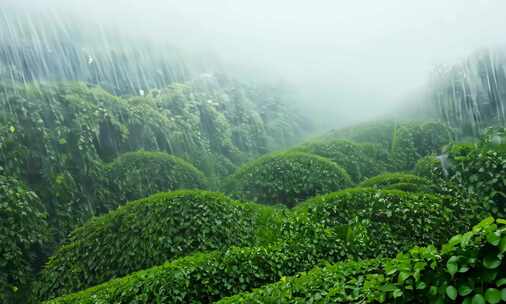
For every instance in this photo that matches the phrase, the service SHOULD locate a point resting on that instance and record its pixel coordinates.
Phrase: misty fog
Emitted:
(344, 60)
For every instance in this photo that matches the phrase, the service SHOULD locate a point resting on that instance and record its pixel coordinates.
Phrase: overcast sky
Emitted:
(354, 56)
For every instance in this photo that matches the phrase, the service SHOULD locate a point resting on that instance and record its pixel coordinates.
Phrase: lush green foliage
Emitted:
(429, 167)
(400, 181)
(23, 231)
(406, 142)
(481, 171)
(55, 137)
(137, 175)
(286, 178)
(468, 269)
(359, 160)
(145, 233)
(394, 220)
(204, 278)
(410, 142)
(378, 132)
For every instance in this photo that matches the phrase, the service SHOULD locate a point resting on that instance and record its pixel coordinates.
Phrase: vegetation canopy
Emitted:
(286, 178)
(140, 174)
(145, 233)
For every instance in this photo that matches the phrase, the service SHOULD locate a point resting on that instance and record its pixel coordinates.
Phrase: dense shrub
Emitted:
(359, 160)
(145, 233)
(412, 141)
(394, 220)
(286, 178)
(23, 231)
(55, 136)
(429, 167)
(135, 175)
(204, 278)
(481, 171)
(399, 181)
(403, 152)
(377, 132)
(468, 269)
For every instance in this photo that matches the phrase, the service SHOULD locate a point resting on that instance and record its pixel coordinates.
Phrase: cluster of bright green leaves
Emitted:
(204, 278)
(286, 178)
(394, 220)
(136, 175)
(470, 268)
(480, 170)
(400, 181)
(359, 160)
(145, 233)
(23, 231)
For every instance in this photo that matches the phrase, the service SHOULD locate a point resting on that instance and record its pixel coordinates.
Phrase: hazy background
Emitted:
(346, 60)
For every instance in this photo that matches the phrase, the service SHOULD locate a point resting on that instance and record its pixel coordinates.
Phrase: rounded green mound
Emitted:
(145, 233)
(286, 178)
(394, 220)
(466, 270)
(135, 175)
(399, 181)
(23, 231)
(359, 160)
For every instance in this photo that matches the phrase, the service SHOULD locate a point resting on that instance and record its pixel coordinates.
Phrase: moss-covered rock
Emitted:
(145, 233)
(135, 175)
(23, 232)
(286, 178)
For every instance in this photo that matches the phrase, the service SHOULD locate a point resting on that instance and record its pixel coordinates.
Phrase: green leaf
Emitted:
(500, 282)
(493, 295)
(502, 244)
(478, 299)
(433, 290)
(402, 277)
(451, 292)
(494, 238)
(397, 293)
(464, 290)
(452, 267)
(491, 261)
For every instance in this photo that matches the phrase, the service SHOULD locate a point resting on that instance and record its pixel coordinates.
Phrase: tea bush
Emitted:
(23, 231)
(481, 171)
(429, 167)
(286, 178)
(400, 181)
(468, 269)
(204, 278)
(136, 175)
(394, 220)
(359, 160)
(412, 141)
(145, 233)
